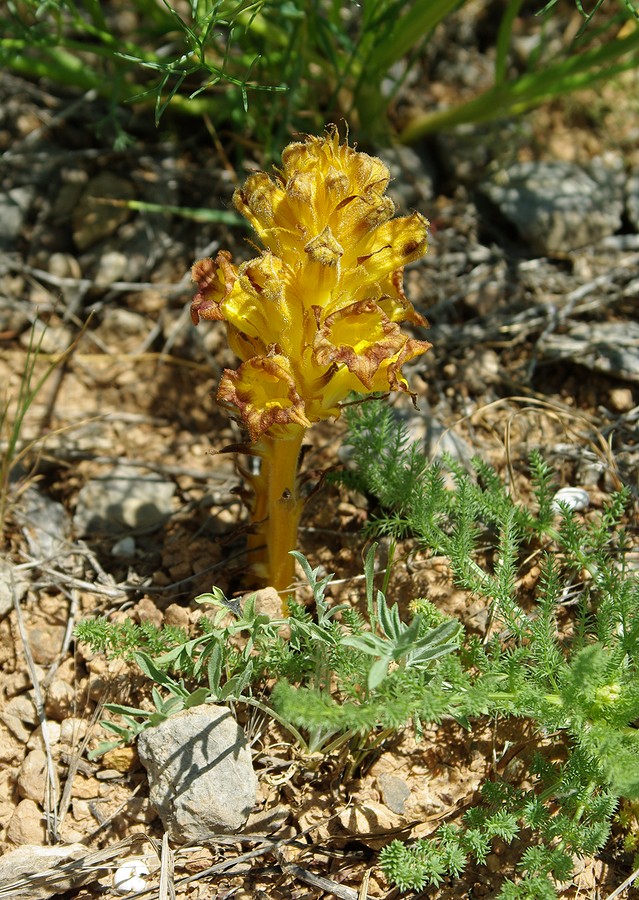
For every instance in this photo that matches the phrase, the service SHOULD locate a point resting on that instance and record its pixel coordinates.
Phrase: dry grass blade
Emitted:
(317, 881)
(362, 894)
(623, 886)
(166, 890)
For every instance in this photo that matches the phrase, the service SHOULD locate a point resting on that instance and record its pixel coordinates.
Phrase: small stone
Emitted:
(72, 731)
(147, 611)
(122, 759)
(45, 523)
(123, 500)
(60, 700)
(85, 788)
(369, 819)
(26, 825)
(622, 400)
(47, 337)
(64, 265)
(33, 861)
(112, 266)
(177, 615)
(93, 219)
(124, 548)
(33, 776)
(129, 877)
(118, 323)
(201, 779)
(395, 792)
(267, 602)
(19, 712)
(14, 206)
(46, 643)
(53, 736)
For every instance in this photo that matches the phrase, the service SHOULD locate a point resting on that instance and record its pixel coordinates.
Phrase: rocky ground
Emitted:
(119, 507)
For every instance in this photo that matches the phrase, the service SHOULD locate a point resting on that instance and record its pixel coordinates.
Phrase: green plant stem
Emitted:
(420, 20)
(59, 65)
(513, 97)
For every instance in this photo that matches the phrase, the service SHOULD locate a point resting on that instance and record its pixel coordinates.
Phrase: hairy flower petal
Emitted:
(367, 342)
(317, 314)
(263, 390)
(215, 279)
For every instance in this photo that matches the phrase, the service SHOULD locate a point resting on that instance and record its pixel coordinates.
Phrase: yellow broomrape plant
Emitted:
(314, 317)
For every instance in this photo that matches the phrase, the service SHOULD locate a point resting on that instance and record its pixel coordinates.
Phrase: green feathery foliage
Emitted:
(565, 659)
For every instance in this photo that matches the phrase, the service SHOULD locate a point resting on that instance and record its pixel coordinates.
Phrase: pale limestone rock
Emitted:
(32, 872)
(200, 773)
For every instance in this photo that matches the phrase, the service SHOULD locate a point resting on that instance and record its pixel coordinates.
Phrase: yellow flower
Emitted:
(325, 296)
(315, 316)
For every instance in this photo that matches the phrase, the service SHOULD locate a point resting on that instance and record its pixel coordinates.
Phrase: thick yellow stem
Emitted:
(277, 495)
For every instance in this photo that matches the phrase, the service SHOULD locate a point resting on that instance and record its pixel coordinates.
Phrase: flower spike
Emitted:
(315, 316)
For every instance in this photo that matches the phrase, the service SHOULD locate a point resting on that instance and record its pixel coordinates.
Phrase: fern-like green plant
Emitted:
(577, 681)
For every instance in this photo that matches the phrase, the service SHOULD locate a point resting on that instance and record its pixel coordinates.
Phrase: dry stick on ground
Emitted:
(622, 887)
(51, 798)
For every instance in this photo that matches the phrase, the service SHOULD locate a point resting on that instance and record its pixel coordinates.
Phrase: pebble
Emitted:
(33, 860)
(53, 736)
(621, 400)
(201, 779)
(124, 548)
(60, 700)
(395, 792)
(14, 206)
(26, 825)
(46, 524)
(368, 819)
(123, 500)
(20, 717)
(32, 777)
(73, 730)
(46, 643)
(92, 220)
(47, 337)
(555, 206)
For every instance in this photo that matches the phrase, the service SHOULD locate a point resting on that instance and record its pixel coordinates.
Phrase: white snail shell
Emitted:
(574, 498)
(127, 879)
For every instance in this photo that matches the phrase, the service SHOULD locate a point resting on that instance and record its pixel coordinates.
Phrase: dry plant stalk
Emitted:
(314, 317)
